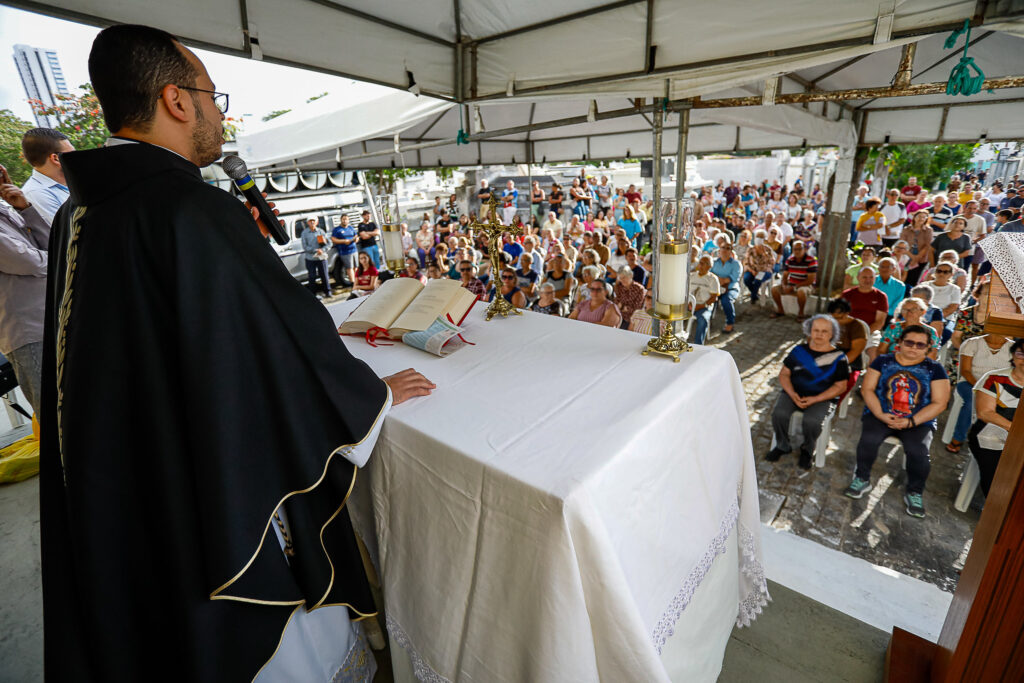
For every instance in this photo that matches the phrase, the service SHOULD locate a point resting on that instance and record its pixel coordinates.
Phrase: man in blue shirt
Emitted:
(748, 199)
(343, 237)
(46, 188)
(728, 271)
(893, 289)
(512, 248)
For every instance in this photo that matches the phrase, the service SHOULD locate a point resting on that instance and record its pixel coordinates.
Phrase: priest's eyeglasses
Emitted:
(219, 98)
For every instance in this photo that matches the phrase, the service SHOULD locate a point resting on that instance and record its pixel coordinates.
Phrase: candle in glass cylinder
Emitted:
(672, 266)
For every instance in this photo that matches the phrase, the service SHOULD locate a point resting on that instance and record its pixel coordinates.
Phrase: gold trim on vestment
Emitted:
(216, 594)
(330, 519)
(279, 641)
(62, 326)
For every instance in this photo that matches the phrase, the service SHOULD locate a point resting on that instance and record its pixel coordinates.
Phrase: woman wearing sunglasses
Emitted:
(903, 394)
(509, 291)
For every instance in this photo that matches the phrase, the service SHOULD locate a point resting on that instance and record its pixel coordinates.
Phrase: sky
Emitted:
(256, 88)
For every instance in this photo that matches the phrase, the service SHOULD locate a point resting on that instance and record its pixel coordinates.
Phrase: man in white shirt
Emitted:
(895, 216)
(554, 225)
(785, 228)
(705, 288)
(46, 188)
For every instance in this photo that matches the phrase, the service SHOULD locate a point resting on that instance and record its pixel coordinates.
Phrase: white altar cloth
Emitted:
(548, 513)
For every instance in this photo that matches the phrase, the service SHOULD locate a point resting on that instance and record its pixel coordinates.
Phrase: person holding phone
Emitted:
(24, 234)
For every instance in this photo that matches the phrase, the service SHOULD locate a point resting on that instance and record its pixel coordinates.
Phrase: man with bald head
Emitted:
(194, 399)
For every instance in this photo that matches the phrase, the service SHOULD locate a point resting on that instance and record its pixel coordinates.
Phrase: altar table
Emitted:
(562, 508)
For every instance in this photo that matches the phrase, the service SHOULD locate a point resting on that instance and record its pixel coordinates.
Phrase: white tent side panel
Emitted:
(607, 43)
(918, 125)
(316, 36)
(995, 121)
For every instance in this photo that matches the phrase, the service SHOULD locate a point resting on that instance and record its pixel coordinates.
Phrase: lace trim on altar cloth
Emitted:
(750, 566)
(359, 665)
(666, 625)
(1005, 250)
(419, 668)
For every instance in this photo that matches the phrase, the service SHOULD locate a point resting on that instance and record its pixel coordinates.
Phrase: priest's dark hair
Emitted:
(129, 65)
(39, 143)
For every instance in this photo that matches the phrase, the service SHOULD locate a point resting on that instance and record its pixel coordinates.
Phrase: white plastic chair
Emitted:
(954, 413)
(968, 486)
(844, 405)
(821, 445)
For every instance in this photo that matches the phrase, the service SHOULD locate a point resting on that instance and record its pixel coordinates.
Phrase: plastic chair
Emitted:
(847, 399)
(954, 413)
(968, 486)
(821, 445)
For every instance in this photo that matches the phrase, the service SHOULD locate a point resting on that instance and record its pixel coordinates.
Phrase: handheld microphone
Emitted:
(238, 172)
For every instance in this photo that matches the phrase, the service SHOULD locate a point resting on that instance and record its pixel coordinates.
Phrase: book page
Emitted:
(381, 308)
(424, 309)
(460, 304)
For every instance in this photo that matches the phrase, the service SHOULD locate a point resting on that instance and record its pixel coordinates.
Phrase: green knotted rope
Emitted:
(462, 137)
(966, 78)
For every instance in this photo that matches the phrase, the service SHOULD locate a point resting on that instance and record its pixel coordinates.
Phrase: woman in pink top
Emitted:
(920, 202)
(597, 309)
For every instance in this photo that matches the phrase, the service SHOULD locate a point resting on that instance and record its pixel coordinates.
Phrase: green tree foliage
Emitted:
(11, 130)
(274, 114)
(385, 178)
(930, 164)
(80, 116)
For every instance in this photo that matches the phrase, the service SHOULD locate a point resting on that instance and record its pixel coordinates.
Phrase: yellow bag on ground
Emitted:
(20, 460)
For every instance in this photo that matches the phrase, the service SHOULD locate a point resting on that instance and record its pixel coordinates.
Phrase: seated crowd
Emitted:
(916, 292)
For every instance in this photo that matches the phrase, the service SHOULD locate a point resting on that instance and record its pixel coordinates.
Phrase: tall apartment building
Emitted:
(42, 78)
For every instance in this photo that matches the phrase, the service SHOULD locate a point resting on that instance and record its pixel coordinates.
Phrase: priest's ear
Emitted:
(177, 103)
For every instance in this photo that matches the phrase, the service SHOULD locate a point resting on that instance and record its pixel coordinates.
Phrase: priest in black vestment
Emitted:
(202, 419)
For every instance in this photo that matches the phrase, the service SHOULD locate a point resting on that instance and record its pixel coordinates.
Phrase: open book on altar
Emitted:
(405, 305)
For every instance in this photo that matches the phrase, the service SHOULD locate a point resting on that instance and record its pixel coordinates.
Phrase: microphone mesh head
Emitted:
(234, 167)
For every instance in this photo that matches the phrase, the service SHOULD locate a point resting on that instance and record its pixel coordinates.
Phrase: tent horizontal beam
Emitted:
(962, 141)
(854, 94)
(954, 105)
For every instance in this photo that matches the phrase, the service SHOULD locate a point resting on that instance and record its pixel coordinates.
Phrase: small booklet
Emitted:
(404, 305)
(442, 338)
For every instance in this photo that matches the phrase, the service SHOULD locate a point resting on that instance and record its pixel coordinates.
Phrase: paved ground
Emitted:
(810, 503)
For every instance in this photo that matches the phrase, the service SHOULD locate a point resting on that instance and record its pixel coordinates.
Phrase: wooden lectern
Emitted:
(983, 636)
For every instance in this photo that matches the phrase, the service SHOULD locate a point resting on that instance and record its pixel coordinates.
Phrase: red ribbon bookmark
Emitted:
(375, 333)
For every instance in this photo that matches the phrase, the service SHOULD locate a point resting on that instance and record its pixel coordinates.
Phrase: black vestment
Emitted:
(190, 386)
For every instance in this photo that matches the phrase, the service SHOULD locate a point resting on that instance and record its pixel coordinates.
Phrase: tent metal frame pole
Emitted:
(659, 120)
(684, 133)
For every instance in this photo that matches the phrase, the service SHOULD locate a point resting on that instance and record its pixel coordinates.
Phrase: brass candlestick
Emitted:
(493, 229)
(672, 235)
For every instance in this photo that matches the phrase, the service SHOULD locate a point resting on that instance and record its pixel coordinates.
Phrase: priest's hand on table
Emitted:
(408, 384)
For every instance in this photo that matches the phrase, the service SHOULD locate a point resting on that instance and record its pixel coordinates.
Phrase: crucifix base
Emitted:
(501, 307)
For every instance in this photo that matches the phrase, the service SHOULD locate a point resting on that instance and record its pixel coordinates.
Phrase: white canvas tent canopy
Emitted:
(536, 70)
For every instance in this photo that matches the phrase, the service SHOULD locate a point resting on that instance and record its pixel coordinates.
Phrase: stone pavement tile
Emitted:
(875, 528)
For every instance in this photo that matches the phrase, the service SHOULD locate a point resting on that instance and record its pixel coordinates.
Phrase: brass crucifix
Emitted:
(493, 228)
